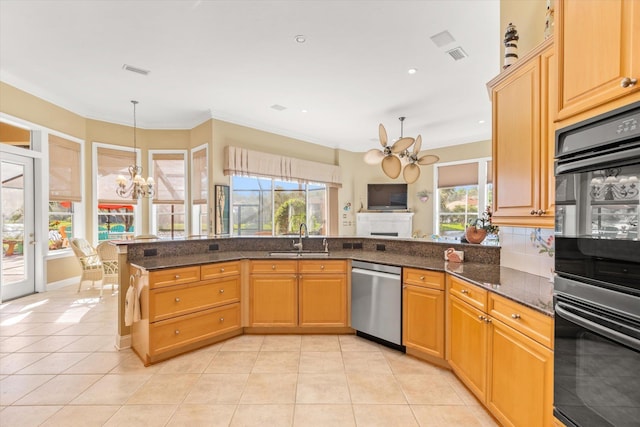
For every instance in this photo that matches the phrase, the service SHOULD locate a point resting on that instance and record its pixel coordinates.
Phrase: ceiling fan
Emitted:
(391, 164)
(411, 171)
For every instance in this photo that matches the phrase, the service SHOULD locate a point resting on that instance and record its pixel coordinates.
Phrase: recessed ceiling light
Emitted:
(412, 70)
(304, 111)
(300, 38)
(278, 107)
(481, 121)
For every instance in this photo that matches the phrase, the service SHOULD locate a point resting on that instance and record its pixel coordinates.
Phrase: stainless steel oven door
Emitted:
(596, 357)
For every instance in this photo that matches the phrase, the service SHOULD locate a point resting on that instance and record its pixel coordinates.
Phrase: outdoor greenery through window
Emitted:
(464, 190)
(60, 225)
(264, 206)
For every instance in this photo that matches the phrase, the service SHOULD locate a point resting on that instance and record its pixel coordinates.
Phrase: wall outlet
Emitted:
(214, 247)
(380, 247)
(346, 245)
(357, 245)
(150, 252)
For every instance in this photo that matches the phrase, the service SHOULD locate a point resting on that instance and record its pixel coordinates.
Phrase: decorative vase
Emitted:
(424, 199)
(475, 235)
(510, 45)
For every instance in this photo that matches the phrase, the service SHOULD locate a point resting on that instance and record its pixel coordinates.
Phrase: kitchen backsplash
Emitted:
(528, 249)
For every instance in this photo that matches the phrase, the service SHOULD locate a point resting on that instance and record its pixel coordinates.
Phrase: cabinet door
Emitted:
(468, 346)
(423, 319)
(516, 145)
(598, 44)
(520, 391)
(273, 300)
(323, 300)
(548, 113)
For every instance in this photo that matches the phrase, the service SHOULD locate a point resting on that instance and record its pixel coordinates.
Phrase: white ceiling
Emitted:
(233, 60)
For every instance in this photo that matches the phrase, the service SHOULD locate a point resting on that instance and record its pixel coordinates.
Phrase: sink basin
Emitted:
(298, 254)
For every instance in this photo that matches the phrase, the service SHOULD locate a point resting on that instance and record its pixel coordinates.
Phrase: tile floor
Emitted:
(59, 367)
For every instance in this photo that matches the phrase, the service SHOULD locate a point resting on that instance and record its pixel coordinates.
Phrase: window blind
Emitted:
(458, 175)
(169, 175)
(199, 178)
(111, 163)
(64, 170)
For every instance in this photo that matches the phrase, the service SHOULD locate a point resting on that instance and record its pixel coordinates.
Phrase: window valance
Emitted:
(244, 162)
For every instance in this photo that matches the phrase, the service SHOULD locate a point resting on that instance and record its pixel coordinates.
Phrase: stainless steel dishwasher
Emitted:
(376, 302)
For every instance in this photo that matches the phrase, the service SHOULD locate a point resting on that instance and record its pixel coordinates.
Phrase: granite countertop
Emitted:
(528, 289)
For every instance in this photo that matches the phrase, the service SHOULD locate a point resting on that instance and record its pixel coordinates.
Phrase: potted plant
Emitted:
(478, 228)
(423, 195)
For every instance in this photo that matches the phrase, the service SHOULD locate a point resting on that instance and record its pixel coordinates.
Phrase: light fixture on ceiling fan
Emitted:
(391, 156)
(391, 164)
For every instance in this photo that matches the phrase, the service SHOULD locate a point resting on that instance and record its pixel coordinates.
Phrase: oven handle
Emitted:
(618, 158)
(587, 324)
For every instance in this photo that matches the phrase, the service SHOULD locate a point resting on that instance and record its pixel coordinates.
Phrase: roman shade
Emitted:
(111, 163)
(169, 175)
(64, 170)
(244, 162)
(490, 172)
(199, 180)
(458, 175)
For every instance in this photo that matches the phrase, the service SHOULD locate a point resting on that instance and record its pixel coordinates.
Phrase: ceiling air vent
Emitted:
(135, 69)
(278, 107)
(442, 38)
(457, 53)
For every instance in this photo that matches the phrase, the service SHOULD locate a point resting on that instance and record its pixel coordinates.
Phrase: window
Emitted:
(116, 216)
(265, 206)
(64, 190)
(169, 173)
(463, 190)
(199, 191)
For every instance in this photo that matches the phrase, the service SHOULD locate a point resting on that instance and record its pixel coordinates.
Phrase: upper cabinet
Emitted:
(523, 107)
(598, 47)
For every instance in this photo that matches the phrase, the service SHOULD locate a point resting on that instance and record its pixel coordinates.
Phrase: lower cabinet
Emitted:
(273, 300)
(323, 300)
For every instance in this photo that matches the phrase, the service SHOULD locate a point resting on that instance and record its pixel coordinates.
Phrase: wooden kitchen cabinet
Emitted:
(524, 106)
(423, 312)
(273, 293)
(597, 43)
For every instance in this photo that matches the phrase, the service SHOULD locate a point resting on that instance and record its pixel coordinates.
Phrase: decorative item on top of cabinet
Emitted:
(510, 45)
(549, 20)
(597, 49)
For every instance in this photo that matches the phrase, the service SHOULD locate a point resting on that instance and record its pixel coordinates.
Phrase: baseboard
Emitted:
(62, 283)
(123, 342)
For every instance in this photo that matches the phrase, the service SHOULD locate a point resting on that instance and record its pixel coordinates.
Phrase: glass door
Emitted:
(17, 221)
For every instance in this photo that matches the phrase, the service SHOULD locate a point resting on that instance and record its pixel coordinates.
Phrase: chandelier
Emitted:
(609, 185)
(393, 157)
(137, 187)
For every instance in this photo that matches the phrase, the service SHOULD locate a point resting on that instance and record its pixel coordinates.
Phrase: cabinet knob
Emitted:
(464, 291)
(221, 291)
(322, 267)
(487, 320)
(481, 317)
(177, 299)
(177, 332)
(222, 270)
(533, 212)
(273, 267)
(421, 277)
(628, 82)
(222, 320)
(177, 276)
(541, 212)
(515, 316)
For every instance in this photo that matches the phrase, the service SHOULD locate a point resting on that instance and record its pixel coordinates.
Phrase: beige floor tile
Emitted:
(320, 343)
(60, 390)
(428, 390)
(277, 361)
(243, 343)
(14, 387)
(445, 416)
(12, 344)
(230, 362)
(81, 416)
(461, 390)
(26, 416)
(323, 416)
(321, 361)
(404, 364)
(217, 388)
(131, 363)
(322, 388)
(84, 328)
(374, 389)
(202, 415)
(54, 363)
(281, 343)
(14, 362)
(96, 363)
(90, 343)
(112, 389)
(142, 416)
(384, 415)
(163, 389)
(8, 329)
(356, 343)
(269, 389)
(365, 361)
(190, 363)
(45, 329)
(483, 416)
(262, 416)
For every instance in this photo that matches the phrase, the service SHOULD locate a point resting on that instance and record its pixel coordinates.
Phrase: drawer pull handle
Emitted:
(222, 270)
(221, 291)
(273, 267)
(421, 277)
(515, 316)
(177, 276)
(177, 299)
(222, 320)
(177, 332)
(464, 291)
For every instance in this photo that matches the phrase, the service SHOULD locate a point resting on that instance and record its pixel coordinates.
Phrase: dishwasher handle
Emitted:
(375, 273)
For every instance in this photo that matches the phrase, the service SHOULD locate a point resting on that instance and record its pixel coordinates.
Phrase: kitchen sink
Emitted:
(298, 254)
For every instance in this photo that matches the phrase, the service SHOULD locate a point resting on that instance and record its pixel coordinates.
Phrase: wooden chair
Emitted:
(108, 253)
(89, 262)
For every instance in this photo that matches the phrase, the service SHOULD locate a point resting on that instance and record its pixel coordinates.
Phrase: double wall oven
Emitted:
(597, 284)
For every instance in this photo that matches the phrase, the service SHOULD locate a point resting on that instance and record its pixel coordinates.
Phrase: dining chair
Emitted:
(108, 253)
(89, 261)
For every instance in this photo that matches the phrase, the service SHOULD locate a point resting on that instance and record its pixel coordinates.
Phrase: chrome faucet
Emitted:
(325, 245)
(298, 245)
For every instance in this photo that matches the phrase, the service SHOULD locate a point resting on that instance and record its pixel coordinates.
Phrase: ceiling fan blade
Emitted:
(417, 145)
(411, 173)
(373, 156)
(382, 132)
(428, 160)
(391, 166)
(402, 144)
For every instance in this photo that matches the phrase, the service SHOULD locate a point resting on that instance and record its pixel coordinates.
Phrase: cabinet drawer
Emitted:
(174, 333)
(468, 293)
(322, 266)
(173, 276)
(177, 300)
(533, 324)
(275, 266)
(426, 278)
(220, 269)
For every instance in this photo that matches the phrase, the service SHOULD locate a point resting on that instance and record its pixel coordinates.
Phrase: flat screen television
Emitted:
(386, 197)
